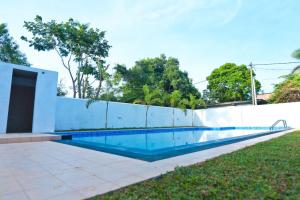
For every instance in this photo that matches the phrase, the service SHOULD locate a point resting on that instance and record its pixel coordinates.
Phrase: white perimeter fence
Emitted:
(72, 114)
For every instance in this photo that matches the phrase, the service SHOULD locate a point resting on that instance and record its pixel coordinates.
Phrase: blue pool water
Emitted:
(156, 144)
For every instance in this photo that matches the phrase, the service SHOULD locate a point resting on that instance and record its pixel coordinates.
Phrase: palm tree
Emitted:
(296, 70)
(176, 100)
(194, 103)
(296, 54)
(106, 98)
(150, 98)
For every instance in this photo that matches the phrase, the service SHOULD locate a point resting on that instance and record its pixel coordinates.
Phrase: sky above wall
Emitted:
(202, 34)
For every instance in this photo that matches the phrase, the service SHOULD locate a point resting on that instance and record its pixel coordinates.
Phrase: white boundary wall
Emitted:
(72, 114)
(248, 115)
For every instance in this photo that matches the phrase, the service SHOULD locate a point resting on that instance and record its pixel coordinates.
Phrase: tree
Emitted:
(296, 70)
(230, 82)
(194, 103)
(160, 73)
(176, 100)
(81, 49)
(296, 54)
(61, 89)
(288, 90)
(150, 97)
(9, 49)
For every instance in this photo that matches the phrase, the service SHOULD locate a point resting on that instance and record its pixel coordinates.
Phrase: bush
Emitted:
(288, 90)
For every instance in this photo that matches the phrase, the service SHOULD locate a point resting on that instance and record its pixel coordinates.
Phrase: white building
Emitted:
(27, 99)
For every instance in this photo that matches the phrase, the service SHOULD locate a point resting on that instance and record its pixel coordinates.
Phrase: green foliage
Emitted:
(9, 50)
(296, 70)
(195, 103)
(61, 89)
(160, 73)
(268, 170)
(230, 82)
(288, 90)
(175, 98)
(82, 50)
(150, 97)
(296, 54)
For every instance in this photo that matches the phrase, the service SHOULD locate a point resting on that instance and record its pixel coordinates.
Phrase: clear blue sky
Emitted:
(202, 34)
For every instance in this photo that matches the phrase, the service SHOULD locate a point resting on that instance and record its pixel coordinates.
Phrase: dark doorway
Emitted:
(21, 105)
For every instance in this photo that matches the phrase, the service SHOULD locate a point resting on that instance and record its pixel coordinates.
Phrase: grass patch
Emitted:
(268, 170)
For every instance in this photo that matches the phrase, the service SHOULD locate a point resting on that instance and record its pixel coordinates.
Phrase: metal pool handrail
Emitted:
(277, 122)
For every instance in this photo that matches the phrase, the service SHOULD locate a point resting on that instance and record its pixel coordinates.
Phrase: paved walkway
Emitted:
(27, 137)
(49, 170)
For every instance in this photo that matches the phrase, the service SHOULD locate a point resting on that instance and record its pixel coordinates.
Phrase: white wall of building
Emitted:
(45, 97)
(45, 102)
(5, 86)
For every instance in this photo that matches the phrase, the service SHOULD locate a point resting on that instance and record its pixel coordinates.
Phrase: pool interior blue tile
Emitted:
(160, 143)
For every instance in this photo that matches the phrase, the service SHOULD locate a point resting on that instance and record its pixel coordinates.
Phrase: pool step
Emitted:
(27, 137)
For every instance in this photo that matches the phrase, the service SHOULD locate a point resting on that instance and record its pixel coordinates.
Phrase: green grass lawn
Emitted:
(268, 170)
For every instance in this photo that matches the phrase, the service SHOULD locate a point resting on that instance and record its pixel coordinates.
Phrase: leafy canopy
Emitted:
(195, 103)
(296, 54)
(230, 82)
(67, 38)
(150, 97)
(82, 49)
(160, 73)
(288, 90)
(9, 49)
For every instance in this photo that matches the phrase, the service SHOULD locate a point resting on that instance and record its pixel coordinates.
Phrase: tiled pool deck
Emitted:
(50, 170)
(27, 137)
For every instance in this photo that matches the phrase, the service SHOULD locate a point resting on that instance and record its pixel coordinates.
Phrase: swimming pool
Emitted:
(156, 144)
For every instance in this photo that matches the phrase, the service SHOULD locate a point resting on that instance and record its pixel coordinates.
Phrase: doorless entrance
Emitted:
(21, 105)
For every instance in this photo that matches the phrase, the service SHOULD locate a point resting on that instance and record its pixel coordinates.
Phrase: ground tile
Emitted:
(99, 189)
(14, 196)
(72, 195)
(129, 180)
(9, 185)
(41, 193)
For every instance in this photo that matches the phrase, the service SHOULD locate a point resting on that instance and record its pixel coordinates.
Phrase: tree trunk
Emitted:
(74, 88)
(146, 135)
(146, 123)
(192, 118)
(97, 94)
(85, 86)
(73, 83)
(78, 84)
(68, 67)
(106, 114)
(173, 118)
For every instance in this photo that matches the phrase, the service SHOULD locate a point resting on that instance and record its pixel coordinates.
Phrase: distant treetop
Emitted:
(9, 49)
